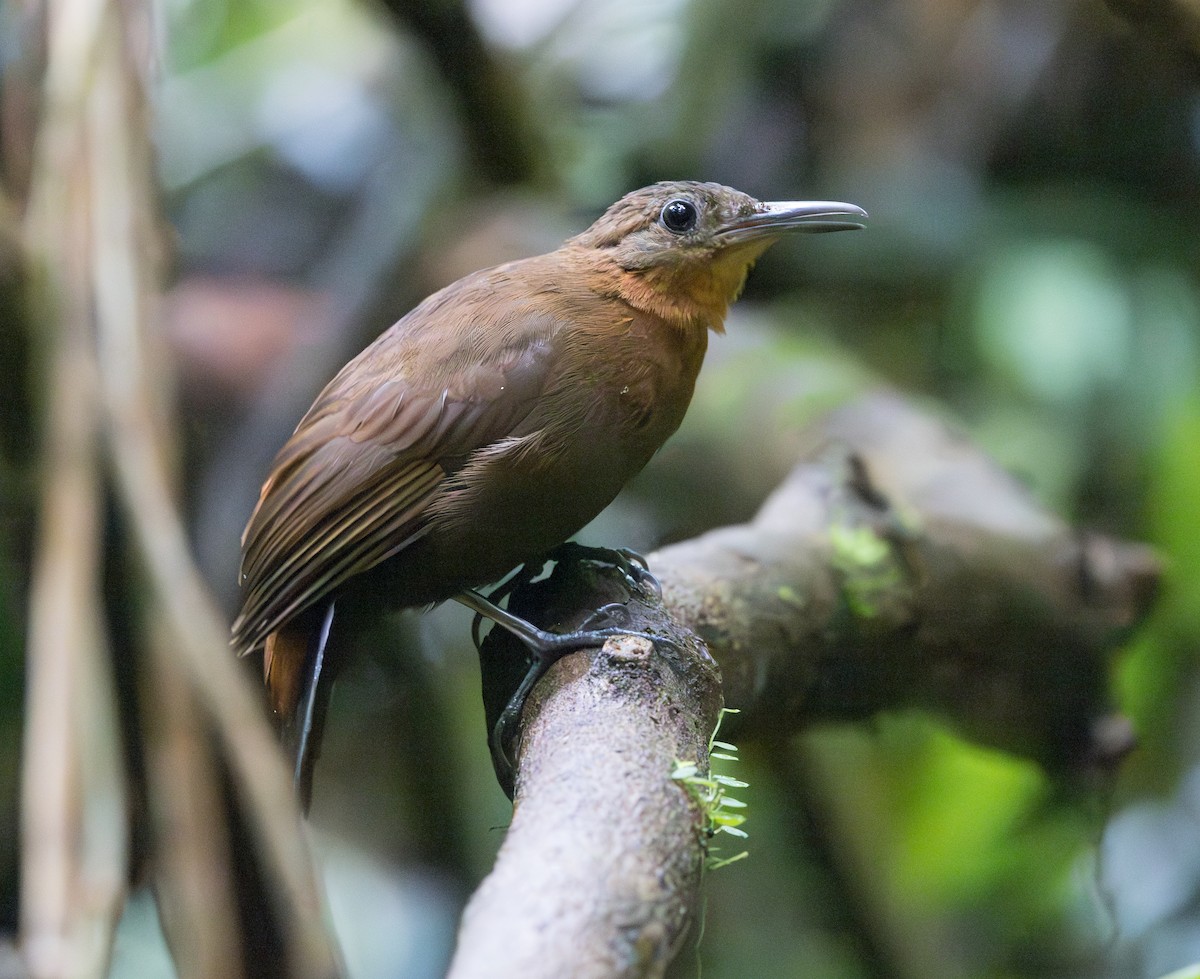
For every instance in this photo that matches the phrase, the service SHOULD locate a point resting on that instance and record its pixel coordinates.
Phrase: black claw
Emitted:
(644, 579)
(633, 557)
(630, 562)
(613, 615)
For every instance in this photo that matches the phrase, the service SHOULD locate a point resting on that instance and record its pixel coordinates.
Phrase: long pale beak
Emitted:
(778, 217)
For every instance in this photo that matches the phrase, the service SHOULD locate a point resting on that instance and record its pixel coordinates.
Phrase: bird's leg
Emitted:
(630, 562)
(518, 579)
(545, 649)
(303, 730)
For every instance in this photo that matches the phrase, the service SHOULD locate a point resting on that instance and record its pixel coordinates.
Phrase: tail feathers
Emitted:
(299, 680)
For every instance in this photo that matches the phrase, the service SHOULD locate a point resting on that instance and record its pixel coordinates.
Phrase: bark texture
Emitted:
(899, 567)
(601, 866)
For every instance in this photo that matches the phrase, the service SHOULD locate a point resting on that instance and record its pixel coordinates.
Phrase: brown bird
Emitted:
(490, 424)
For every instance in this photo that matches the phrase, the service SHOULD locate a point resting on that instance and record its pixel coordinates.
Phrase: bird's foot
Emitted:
(545, 649)
(628, 561)
(503, 733)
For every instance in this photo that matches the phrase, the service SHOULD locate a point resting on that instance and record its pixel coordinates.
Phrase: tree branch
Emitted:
(900, 567)
(600, 870)
(896, 567)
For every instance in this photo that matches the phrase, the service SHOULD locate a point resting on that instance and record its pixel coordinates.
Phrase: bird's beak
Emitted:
(778, 217)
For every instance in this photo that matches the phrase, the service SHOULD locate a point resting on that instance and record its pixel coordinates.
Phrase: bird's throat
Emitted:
(685, 295)
(695, 289)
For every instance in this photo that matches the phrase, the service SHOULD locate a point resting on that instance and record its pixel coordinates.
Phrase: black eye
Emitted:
(679, 216)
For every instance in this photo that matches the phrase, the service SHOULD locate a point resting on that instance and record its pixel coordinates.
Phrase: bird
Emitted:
(489, 425)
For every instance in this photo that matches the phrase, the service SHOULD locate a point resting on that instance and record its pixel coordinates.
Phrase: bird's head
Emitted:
(686, 247)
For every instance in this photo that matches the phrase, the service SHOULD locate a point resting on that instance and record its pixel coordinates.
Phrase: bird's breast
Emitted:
(638, 379)
(613, 402)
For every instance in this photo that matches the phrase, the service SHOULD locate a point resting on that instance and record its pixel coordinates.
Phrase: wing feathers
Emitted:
(354, 482)
(315, 559)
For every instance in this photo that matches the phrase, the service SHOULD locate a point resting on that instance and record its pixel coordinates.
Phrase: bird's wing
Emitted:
(349, 487)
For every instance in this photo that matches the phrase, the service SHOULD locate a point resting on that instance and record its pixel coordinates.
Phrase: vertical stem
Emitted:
(74, 837)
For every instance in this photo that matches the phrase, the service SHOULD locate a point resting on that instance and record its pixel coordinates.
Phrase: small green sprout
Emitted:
(710, 793)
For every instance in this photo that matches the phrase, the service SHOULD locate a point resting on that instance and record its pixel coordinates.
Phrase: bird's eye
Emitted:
(679, 216)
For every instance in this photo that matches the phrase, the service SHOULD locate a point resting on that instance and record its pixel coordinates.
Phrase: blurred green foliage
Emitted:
(1031, 262)
(1032, 175)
